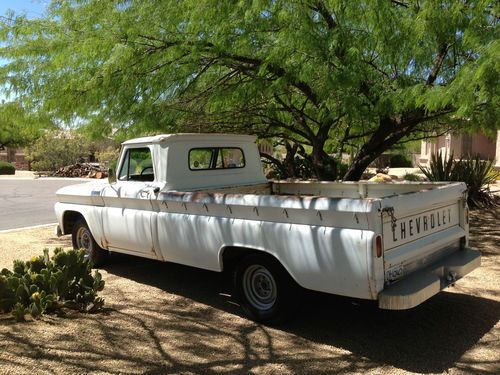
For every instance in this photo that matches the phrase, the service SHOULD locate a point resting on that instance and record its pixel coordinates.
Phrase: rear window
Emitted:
(216, 158)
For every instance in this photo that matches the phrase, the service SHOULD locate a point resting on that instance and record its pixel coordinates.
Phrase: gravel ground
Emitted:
(165, 318)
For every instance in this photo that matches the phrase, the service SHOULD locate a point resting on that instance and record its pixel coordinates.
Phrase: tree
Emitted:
(19, 127)
(323, 75)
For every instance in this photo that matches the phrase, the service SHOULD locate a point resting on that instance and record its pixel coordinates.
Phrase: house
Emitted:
(461, 145)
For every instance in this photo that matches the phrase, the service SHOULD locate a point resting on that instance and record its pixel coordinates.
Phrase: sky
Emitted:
(32, 8)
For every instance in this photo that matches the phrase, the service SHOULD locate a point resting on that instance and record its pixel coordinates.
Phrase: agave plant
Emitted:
(439, 168)
(476, 173)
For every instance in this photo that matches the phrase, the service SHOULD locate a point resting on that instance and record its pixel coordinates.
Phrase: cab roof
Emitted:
(161, 138)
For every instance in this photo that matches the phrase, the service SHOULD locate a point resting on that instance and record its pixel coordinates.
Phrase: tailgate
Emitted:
(421, 228)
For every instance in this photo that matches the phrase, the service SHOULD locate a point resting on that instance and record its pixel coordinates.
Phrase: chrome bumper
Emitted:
(423, 284)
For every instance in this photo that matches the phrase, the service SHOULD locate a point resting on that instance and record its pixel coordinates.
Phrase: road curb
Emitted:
(26, 228)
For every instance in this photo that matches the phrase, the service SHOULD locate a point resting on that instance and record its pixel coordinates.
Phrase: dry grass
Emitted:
(165, 318)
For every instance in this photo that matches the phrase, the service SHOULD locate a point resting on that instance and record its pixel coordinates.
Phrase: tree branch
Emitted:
(438, 63)
(327, 16)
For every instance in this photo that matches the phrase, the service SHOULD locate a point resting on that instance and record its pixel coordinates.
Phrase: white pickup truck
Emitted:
(202, 200)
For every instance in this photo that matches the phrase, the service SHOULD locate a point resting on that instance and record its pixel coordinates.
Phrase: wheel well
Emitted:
(231, 255)
(69, 220)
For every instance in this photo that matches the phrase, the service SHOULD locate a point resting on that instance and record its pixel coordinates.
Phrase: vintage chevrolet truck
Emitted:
(202, 200)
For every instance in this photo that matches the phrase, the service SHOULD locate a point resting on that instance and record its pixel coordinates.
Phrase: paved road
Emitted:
(25, 202)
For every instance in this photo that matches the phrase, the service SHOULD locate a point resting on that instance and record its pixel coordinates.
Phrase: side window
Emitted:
(137, 165)
(216, 158)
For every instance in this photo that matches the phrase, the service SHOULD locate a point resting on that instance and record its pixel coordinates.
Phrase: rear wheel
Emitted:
(264, 289)
(82, 239)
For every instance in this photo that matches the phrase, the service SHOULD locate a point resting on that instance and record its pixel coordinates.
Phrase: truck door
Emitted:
(127, 213)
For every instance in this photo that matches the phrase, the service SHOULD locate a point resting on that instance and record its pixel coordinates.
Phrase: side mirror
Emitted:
(111, 176)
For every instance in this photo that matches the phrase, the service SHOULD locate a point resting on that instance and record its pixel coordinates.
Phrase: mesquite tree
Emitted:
(323, 76)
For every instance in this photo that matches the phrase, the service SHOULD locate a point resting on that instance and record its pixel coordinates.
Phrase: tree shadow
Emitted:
(429, 338)
(485, 230)
(166, 318)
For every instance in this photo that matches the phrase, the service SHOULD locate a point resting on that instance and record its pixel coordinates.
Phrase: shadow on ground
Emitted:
(167, 318)
(485, 230)
(427, 339)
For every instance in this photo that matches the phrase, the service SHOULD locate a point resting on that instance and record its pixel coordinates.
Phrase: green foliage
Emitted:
(400, 161)
(360, 75)
(439, 168)
(412, 177)
(20, 126)
(6, 168)
(43, 285)
(476, 173)
(55, 150)
(108, 157)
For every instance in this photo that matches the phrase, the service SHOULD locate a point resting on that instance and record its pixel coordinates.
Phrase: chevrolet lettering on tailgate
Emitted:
(410, 228)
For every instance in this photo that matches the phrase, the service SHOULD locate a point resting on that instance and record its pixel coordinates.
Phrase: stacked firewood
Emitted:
(89, 170)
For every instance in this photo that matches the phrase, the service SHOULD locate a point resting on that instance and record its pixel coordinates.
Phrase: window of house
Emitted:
(216, 158)
(137, 165)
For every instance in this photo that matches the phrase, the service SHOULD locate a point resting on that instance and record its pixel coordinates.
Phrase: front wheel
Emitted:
(82, 239)
(264, 289)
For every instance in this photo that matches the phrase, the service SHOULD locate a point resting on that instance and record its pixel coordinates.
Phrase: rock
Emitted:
(381, 177)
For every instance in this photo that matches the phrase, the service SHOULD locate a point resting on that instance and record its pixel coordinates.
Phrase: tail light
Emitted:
(379, 250)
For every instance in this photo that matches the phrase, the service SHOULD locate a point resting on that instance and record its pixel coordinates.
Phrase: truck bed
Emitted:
(362, 189)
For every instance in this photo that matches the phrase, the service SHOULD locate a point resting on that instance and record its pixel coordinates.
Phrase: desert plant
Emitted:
(45, 284)
(439, 168)
(6, 168)
(108, 157)
(55, 150)
(412, 177)
(476, 173)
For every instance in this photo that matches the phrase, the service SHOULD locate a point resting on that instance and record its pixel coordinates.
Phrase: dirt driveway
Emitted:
(165, 318)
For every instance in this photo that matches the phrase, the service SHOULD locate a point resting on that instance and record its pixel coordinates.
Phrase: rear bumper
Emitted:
(423, 284)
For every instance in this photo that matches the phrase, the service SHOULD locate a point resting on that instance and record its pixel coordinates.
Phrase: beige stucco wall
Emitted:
(484, 146)
(461, 145)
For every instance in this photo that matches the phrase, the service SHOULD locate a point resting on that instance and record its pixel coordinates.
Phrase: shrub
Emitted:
(476, 173)
(55, 150)
(6, 168)
(400, 161)
(44, 285)
(108, 157)
(439, 169)
(412, 177)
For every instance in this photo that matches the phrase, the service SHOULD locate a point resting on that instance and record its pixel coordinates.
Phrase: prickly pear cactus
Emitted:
(43, 285)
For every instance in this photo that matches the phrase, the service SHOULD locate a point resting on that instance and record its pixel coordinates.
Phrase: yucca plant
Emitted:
(439, 168)
(476, 173)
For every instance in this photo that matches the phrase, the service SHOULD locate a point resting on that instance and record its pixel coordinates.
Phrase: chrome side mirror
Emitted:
(111, 176)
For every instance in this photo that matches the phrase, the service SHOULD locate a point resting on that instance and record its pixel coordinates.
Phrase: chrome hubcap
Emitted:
(259, 287)
(84, 241)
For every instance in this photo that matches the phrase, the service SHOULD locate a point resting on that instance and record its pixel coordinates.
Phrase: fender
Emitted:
(91, 214)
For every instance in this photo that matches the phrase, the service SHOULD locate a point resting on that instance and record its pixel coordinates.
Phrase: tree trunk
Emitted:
(359, 165)
(387, 135)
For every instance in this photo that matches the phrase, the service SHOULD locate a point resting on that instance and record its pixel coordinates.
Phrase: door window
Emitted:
(137, 165)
